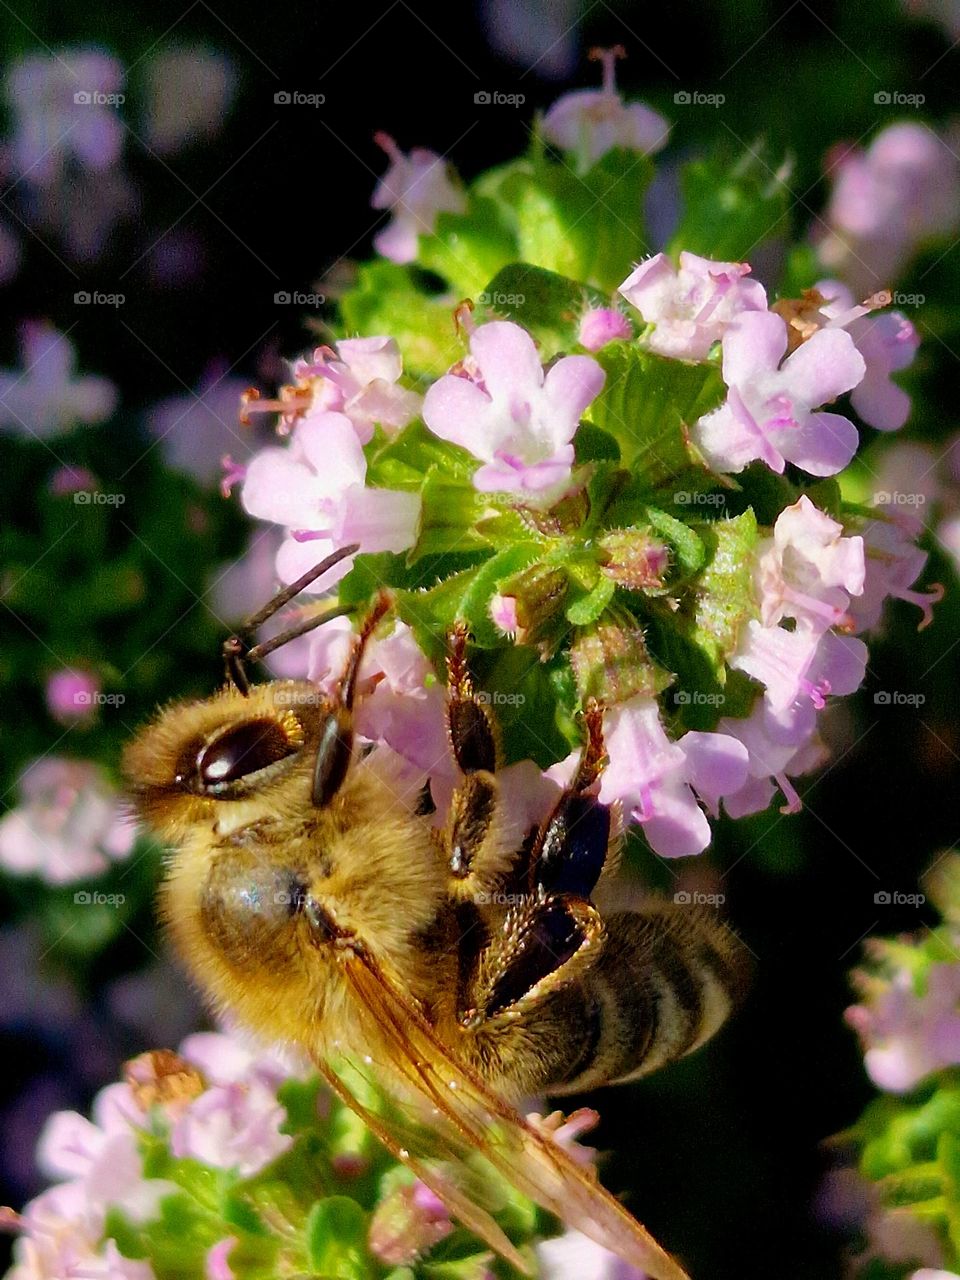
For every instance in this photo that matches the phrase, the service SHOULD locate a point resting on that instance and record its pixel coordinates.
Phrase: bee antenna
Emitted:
(237, 653)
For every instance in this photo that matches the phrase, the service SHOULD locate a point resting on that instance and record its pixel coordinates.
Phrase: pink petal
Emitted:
(823, 444)
(752, 346)
(823, 367)
(452, 408)
(508, 359)
(570, 385)
(716, 765)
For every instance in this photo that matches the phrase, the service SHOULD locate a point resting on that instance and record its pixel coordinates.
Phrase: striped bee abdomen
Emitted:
(664, 982)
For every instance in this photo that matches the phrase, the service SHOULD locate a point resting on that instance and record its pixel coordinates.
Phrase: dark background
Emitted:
(722, 1156)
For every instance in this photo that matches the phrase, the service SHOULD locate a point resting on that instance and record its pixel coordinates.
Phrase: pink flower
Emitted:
(780, 746)
(886, 201)
(216, 1266)
(233, 1126)
(519, 422)
(592, 122)
(574, 1256)
(655, 779)
(907, 1035)
(362, 380)
(315, 488)
(808, 569)
(893, 563)
(769, 413)
(800, 664)
(69, 824)
(888, 343)
(195, 430)
(59, 114)
(60, 1240)
(416, 188)
(690, 307)
(601, 325)
(71, 695)
(47, 397)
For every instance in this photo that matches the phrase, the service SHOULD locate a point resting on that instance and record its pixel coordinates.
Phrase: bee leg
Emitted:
(573, 845)
(480, 841)
(335, 749)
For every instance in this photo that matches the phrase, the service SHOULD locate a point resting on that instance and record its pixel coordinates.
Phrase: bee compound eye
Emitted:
(248, 907)
(241, 751)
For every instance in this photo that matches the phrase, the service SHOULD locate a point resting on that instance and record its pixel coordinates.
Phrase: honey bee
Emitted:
(465, 968)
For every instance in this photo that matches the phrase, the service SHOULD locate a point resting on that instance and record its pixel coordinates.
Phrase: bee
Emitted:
(313, 900)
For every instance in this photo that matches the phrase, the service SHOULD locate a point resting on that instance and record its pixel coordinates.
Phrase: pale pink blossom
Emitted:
(362, 380)
(893, 564)
(503, 614)
(592, 122)
(656, 780)
(601, 325)
(770, 411)
(61, 113)
(415, 188)
(690, 307)
(888, 342)
(518, 420)
(887, 201)
(314, 487)
(780, 746)
(808, 570)
(71, 695)
(47, 396)
(68, 824)
(233, 1126)
(574, 1256)
(195, 430)
(907, 1035)
(800, 664)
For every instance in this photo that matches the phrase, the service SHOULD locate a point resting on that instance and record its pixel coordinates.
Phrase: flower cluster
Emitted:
(222, 1160)
(594, 559)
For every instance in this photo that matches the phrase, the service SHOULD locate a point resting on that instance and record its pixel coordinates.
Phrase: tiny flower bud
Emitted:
(529, 600)
(611, 663)
(72, 695)
(636, 559)
(407, 1223)
(601, 325)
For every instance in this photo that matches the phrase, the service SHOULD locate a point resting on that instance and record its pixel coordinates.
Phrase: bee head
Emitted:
(218, 761)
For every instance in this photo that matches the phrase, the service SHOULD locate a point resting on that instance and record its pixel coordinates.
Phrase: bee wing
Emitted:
(406, 1047)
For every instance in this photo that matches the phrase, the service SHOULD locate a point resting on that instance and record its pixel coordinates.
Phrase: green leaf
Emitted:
(733, 205)
(648, 403)
(588, 227)
(475, 601)
(723, 595)
(589, 606)
(336, 1240)
(386, 299)
(548, 305)
(687, 544)
(401, 463)
(468, 248)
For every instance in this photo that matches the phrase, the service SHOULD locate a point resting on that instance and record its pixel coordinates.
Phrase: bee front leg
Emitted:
(480, 841)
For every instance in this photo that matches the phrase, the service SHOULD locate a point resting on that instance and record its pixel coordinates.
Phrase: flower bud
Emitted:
(636, 559)
(611, 663)
(407, 1223)
(530, 600)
